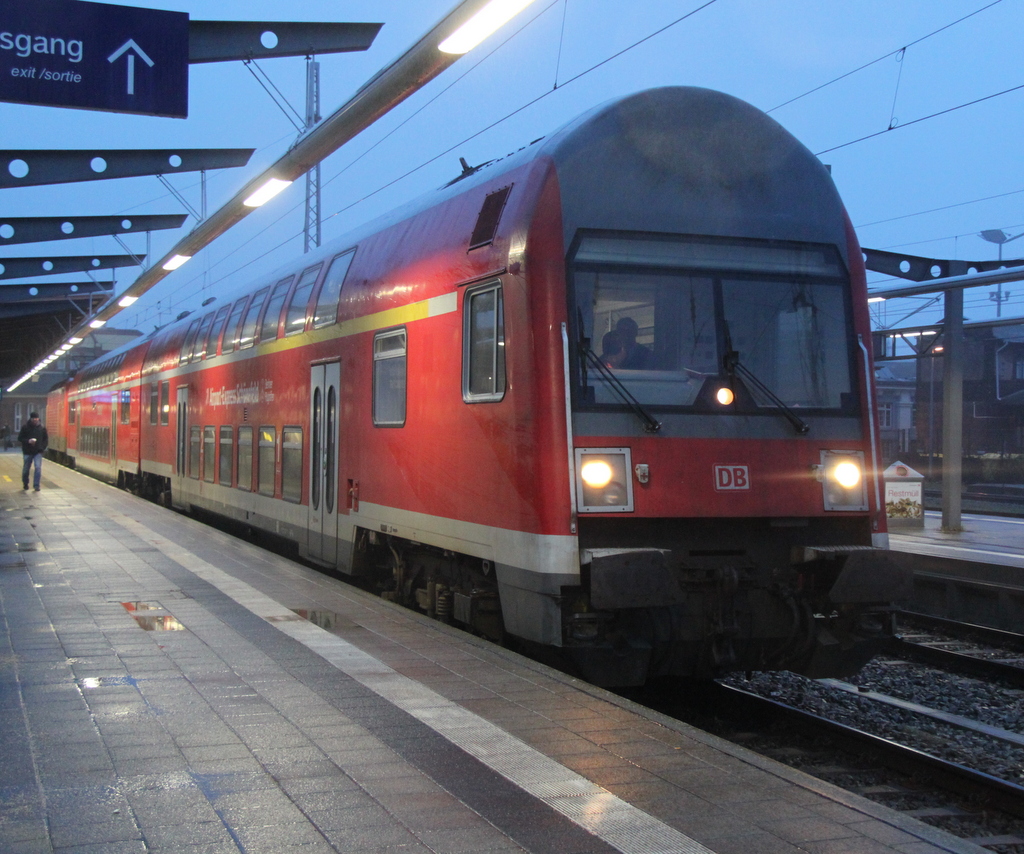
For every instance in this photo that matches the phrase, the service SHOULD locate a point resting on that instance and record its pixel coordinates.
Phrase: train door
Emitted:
(324, 385)
(181, 458)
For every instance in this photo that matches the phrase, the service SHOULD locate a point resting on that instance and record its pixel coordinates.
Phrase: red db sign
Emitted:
(731, 477)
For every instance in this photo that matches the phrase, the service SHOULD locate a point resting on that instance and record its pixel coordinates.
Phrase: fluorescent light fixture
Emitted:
(265, 193)
(96, 324)
(126, 301)
(176, 262)
(74, 340)
(876, 299)
(481, 25)
(65, 348)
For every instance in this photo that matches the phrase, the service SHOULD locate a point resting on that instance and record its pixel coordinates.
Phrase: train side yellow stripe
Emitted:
(433, 307)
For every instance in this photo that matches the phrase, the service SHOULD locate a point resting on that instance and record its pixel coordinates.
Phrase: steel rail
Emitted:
(950, 776)
(958, 662)
(997, 637)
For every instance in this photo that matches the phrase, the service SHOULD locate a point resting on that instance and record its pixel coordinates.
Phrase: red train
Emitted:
(610, 393)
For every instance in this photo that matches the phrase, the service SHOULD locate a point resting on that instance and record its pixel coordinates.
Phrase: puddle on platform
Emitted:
(152, 622)
(9, 548)
(329, 620)
(107, 681)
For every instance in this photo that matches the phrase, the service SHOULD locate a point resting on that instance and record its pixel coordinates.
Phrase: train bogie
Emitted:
(609, 395)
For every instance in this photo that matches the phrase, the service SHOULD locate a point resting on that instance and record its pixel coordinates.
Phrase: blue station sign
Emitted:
(94, 56)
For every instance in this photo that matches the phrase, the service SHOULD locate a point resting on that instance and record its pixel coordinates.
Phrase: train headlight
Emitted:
(596, 473)
(842, 480)
(847, 474)
(725, 396)
(604, 483)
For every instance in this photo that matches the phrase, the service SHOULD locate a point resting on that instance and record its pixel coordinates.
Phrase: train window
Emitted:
(190, 339)
(209, 344)
(267, 460)
(227, 454)
(291, 464)
(195, 435)
(72, 411)
(209, 453)
(247, 336)
(165, 403)
(154, 402)
(233, 329)
(295, 321)
(326, 311)
(126, 406)
(199, 347)
(272, 315)
(483, 356)
(314, 480)
(244, 466)
(330, 447)
(660, 315)
(389, 378)
(793, 337)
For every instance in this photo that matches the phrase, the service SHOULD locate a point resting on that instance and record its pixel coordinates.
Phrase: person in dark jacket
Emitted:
(34, 439)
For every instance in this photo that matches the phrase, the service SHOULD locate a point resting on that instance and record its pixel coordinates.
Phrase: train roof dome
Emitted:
(730, 170)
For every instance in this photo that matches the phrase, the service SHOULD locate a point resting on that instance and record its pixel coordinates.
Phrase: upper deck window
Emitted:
(272, 316)
(234, 327)
(210, 345)
(199, 347)
(295, 320)
(330, 291)
(247, 336)
(190, 338)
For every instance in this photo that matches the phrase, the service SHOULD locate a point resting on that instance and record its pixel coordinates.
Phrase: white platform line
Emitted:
(616, 822)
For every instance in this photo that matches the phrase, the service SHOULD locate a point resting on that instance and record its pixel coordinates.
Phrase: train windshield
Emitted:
(667, 318)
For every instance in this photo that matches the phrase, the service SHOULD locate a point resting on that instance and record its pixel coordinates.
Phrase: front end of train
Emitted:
(726, 501)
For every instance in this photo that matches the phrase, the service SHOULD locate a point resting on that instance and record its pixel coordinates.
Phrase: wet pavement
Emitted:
(165, 687)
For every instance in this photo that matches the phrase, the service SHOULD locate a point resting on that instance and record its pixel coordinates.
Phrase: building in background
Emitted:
(896, 383)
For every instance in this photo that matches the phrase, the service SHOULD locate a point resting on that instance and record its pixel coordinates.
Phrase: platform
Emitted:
(997, 540)
(975, 575)
(164, 687)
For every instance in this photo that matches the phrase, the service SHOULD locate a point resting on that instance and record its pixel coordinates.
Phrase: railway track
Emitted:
(968, 802)
(954, 630)
(952, 776)
(936, 655)
(934, 728)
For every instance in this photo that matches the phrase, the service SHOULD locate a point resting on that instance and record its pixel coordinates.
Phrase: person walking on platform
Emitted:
(34, 439)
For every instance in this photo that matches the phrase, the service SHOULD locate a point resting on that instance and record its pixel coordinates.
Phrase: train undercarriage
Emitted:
(769, 602)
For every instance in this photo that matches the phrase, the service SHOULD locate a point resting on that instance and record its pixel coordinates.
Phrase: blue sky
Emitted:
(915, 188)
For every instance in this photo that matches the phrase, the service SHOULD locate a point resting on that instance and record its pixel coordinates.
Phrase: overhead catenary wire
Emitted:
(938, 209)
(920, 119)
(884, 56)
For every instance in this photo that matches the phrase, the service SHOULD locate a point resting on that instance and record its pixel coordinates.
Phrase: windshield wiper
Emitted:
(734, 366)
(651, 425)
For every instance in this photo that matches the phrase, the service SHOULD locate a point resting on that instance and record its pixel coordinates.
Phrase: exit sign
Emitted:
(94, 56)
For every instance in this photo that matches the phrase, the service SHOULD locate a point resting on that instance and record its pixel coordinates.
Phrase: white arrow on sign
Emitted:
(129, 46)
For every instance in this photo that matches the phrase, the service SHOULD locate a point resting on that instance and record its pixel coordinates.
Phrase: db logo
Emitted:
(731, 477)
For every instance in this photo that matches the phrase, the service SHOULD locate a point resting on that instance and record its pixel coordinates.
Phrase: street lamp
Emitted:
(999, 237)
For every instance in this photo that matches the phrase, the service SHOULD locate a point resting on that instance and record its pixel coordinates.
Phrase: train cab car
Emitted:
(609, 395)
